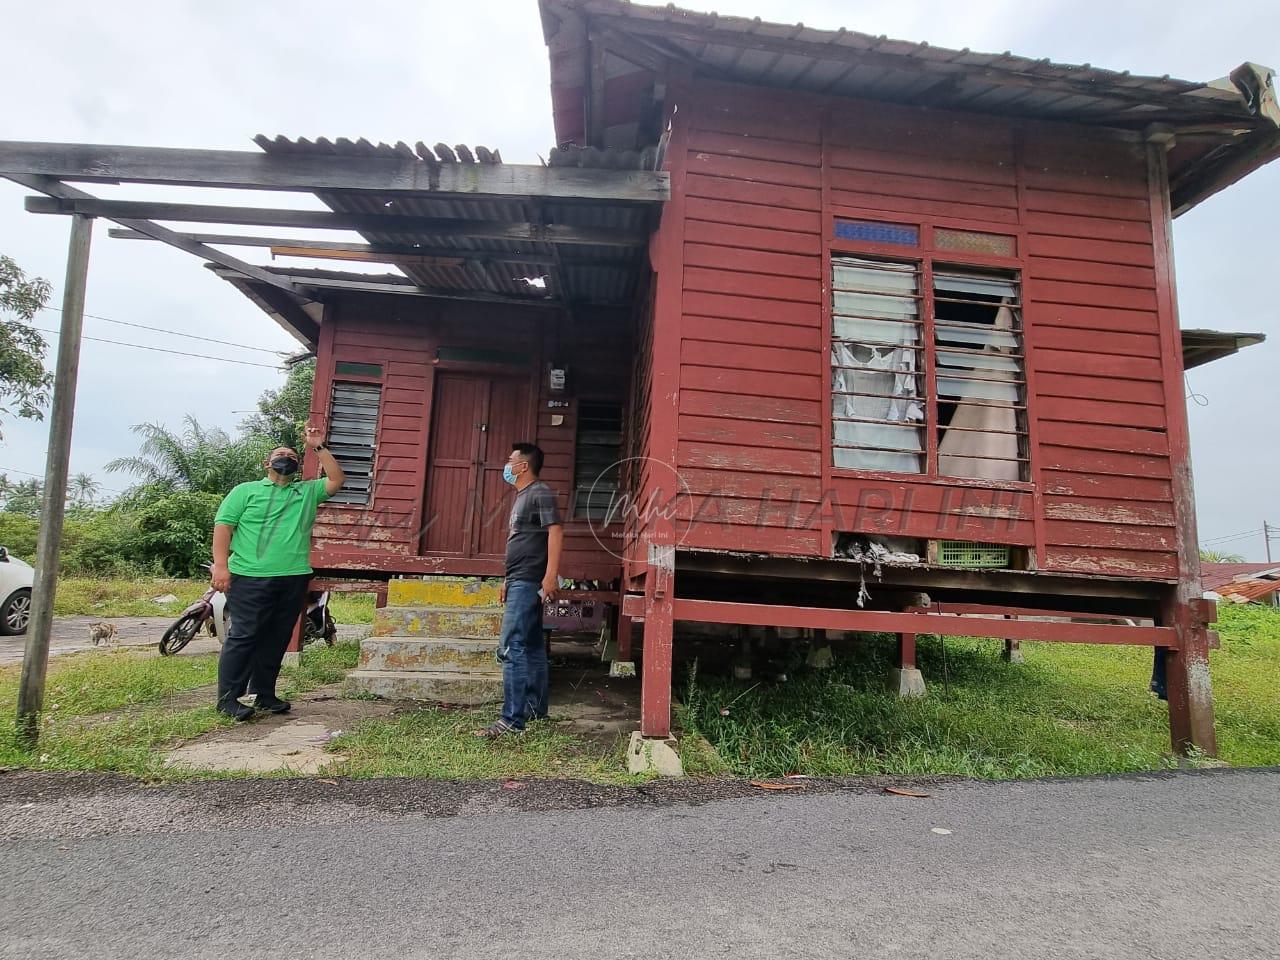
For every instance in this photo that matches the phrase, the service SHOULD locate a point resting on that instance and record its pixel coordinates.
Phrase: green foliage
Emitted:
(282, 414)
(176, 531)
(1214, 556)
(23, 497)
(197, 460)
(24, 382)
(18, 533)
(102, 543)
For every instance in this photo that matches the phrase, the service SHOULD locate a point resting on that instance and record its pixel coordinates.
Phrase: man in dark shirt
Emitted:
(534, 538)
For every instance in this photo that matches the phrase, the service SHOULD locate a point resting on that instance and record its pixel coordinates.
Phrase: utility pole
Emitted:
(35, 660)
(1266, 538)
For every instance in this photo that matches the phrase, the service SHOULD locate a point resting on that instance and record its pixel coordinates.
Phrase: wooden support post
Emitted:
(35, 659)
(1190, 689)
(1013, 652)
(625, 631)
(906, 651)
(659, 625)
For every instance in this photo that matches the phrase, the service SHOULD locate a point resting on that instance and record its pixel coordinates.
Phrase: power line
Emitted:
(180, 353)
(178, 333)
(40, 476)
(1234, 536)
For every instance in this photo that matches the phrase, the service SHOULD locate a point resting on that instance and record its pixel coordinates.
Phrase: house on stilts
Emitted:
(819, 331)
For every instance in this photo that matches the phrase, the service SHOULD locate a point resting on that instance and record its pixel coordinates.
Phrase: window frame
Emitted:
(923, 256)
(360, 381)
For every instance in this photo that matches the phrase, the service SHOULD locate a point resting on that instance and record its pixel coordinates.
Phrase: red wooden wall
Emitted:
(403, 334)
(766, 173)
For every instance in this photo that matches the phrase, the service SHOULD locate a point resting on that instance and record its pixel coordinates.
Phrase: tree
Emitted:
(24, 497)
(82, 491)
(283, 413)
(197, 460)
(24, 382)
(1213, 556)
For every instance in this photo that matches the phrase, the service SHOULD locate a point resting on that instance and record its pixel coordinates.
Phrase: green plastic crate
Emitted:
(960, 553)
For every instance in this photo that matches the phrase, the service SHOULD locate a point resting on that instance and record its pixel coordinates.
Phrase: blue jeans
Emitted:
(523, 654)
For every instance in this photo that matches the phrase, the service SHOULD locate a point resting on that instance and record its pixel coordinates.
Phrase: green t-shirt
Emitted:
(273, 526)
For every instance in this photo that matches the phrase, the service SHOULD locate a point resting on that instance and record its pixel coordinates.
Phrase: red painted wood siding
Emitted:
(403, 335)
(766, 171)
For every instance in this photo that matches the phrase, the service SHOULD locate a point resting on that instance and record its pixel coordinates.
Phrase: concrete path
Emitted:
(71, 635)
(1163, 866)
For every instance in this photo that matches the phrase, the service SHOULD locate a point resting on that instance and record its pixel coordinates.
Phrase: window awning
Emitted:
(1204, 346)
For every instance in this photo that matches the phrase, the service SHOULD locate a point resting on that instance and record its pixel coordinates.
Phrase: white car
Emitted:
(16, 578)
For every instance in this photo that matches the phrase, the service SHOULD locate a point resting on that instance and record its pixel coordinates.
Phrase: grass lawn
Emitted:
(1068, 710)
(102, 597)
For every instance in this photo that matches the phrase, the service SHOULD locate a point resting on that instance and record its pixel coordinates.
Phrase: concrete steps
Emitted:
(435, 640)
(437, 687)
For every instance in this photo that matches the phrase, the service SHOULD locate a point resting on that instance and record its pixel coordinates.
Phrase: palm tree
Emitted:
(199, 459)
(1214, 556)
(83, 490)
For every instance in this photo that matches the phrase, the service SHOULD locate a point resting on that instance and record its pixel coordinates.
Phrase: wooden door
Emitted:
(474, 421)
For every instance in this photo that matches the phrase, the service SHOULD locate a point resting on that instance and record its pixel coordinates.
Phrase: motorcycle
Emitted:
(210, 613)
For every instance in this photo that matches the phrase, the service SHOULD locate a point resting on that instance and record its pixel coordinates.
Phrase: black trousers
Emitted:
(263, 611)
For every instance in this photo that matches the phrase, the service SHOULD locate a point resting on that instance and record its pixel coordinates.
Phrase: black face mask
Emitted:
(285, 466)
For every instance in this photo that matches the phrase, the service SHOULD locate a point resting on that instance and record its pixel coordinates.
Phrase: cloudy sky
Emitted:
(213, 75)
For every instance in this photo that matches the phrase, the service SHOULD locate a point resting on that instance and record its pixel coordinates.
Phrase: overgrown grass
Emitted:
(111, 597)
(440, 744)
(1068, 710)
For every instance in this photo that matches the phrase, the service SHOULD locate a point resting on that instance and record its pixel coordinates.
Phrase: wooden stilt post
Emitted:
(907, 651)
(1190, 689)
(35, 660)
(659, 626)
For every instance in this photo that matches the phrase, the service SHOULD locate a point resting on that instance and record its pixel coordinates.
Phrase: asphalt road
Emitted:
(1164, 866)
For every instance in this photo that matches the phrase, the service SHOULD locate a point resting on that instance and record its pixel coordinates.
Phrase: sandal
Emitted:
(497, 729)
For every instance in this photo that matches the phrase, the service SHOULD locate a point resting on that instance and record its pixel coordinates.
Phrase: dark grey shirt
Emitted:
(534, 510)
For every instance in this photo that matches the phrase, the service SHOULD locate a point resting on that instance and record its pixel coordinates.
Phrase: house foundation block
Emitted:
(621, 669)
(906, 682)
(653, 755)
(1013, 652)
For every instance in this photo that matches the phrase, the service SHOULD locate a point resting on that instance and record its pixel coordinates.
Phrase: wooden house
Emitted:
(818, 330)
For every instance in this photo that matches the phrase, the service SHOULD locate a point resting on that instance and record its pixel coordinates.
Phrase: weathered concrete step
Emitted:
(438, 687)
(444, 592)
(445, 655)
(446, 623)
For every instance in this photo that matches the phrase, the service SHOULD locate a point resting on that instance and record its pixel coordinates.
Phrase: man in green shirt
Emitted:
(262, 562)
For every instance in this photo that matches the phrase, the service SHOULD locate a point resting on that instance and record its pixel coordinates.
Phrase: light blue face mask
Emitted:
(509, 475)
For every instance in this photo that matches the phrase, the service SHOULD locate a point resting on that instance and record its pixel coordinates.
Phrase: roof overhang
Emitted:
(458, 222)
(1204, 346)
(610, 61)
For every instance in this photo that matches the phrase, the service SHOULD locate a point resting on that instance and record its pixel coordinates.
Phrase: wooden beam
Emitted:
(119, 210)
(307, 172)
(354, 283)
(882, 621)
(370, 256)
(342, 246)
(1206, 178)
(59, 194)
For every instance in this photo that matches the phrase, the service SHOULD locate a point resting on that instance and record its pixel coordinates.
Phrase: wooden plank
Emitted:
(1099, 510)
(1042, 336)
(1092, 249)
(721, 330)
(756, 262)
(1137, 537)
(1068, 484)
(926, 188)
(748, 406)
(877, 621)
(749, 191)
(744, 538)
(1098, 411)
(889, 498)
(760, 487)
(313, 172)
(1110, 562)
(1091, 436)
(1090, 204)
(1105, 462)
(784, 386)
(740, 357)
(805, 224)
(755, 171)
(1088, 387)
(1085, 271)
(705, 280)
(769, 239)
(716, 456)
(1088, 294)
(753, 147)
(1098, 364)
(733, 306)
(751, 433)
(1088, 228)
(136, 210)
(846, 157)
(889, 207)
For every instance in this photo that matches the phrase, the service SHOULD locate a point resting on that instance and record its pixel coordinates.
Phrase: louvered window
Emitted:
(596, 455)
(353, 431)
(882, 349)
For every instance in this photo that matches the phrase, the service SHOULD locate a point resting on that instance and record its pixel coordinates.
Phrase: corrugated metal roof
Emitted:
(572, 272)
(1215, 576)
(1249, 591)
